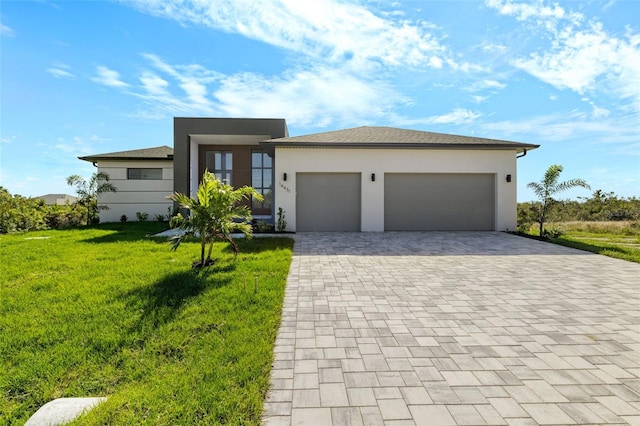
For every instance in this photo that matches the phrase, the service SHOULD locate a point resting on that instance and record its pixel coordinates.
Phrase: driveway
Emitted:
(455, 328)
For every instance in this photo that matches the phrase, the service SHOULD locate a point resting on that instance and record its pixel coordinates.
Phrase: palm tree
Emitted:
(216, 212)
(89, 190)
(549, 186)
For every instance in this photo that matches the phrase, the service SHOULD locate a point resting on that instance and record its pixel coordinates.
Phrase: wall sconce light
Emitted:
(284, 177)
(508, 178)
(373, 177)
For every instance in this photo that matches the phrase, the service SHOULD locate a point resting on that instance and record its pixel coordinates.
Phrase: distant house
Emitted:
(360, 179)
(58, 199)
(143, 179)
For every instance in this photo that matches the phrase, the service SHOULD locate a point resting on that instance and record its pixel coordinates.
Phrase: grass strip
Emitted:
(607, 248)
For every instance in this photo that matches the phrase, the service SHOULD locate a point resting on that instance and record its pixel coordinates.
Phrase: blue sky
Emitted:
(89, 77)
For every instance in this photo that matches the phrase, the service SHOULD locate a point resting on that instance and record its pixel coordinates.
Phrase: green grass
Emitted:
(107, 311)
(614, 239)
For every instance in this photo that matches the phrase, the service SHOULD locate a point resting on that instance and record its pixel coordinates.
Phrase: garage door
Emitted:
(327, 202)
(438, 202)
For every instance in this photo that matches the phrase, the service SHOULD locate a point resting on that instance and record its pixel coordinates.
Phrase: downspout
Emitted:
(523, 154)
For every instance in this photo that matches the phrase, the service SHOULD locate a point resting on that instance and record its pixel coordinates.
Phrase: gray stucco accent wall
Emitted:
(184, 127)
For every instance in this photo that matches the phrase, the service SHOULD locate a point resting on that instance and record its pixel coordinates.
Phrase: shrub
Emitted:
(142, 216)
(123, 218)
(262, 227)
(554, 232)
(282, 223)
(59, 217)
(160, 218)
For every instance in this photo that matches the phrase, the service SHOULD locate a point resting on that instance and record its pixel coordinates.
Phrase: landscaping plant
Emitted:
(282, 223)
(216, 212)
(88, 192)
(548, 187)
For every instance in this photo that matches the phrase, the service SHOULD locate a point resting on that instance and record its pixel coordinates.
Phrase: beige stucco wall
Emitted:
(135, 195)
(381, 161)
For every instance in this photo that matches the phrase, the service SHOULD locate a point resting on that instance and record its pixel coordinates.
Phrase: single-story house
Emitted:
(143, 179)
(360, 179)
(58, 199)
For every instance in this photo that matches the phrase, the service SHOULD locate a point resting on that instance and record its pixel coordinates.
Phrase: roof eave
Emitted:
(92, 159)
(519, 147)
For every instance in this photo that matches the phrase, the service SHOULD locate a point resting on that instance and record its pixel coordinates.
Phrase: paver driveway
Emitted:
(455, 328)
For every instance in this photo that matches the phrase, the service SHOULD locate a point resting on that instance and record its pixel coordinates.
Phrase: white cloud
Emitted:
(154, 85)
(6, 30)
(60, 71)
(75, 145)
(458, 116)
(581, 55)
(578, 58)
(493, 48)
(323, 29)
(534, 10)
(108, 77)
(599, 112)
(486, 84)
(315, 97)
(568, 126)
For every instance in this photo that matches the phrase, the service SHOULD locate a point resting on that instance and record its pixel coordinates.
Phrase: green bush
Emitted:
(21, 214)
(261, 226)
(142, 216)
(282, 223)
(554, 232)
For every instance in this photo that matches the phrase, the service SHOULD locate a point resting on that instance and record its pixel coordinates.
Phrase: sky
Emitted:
(91, 77)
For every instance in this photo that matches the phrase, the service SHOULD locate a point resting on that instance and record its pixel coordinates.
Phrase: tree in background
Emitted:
(216, 212)
(88, 192)
(548, 187)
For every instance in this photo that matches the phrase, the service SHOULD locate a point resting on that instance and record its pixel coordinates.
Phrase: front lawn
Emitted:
(107, 311)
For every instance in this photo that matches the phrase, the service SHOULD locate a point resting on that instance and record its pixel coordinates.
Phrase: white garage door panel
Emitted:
(439, 202)
(328, 202)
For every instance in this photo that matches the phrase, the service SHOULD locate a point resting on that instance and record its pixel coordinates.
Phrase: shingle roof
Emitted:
(391, 137)
(157, 153)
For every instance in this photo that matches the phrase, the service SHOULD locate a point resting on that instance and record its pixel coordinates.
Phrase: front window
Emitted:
(220, 163)
(144, 174)
(261, 177)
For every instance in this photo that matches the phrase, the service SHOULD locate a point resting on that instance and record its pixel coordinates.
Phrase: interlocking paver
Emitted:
(394, 409)
(306, 398)
(333, 395)
(427, 415)
(548, 414)
(465, 415)
(454, 328)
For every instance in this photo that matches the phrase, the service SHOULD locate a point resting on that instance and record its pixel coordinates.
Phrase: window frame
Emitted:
(264, 171)
(226, 167)
(142, 176)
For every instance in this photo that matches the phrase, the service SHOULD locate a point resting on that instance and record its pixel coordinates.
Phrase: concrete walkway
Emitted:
(455, 328)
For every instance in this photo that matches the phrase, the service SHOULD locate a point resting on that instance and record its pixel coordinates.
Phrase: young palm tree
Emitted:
(88, 192)
(549, 186)
(216, 212)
